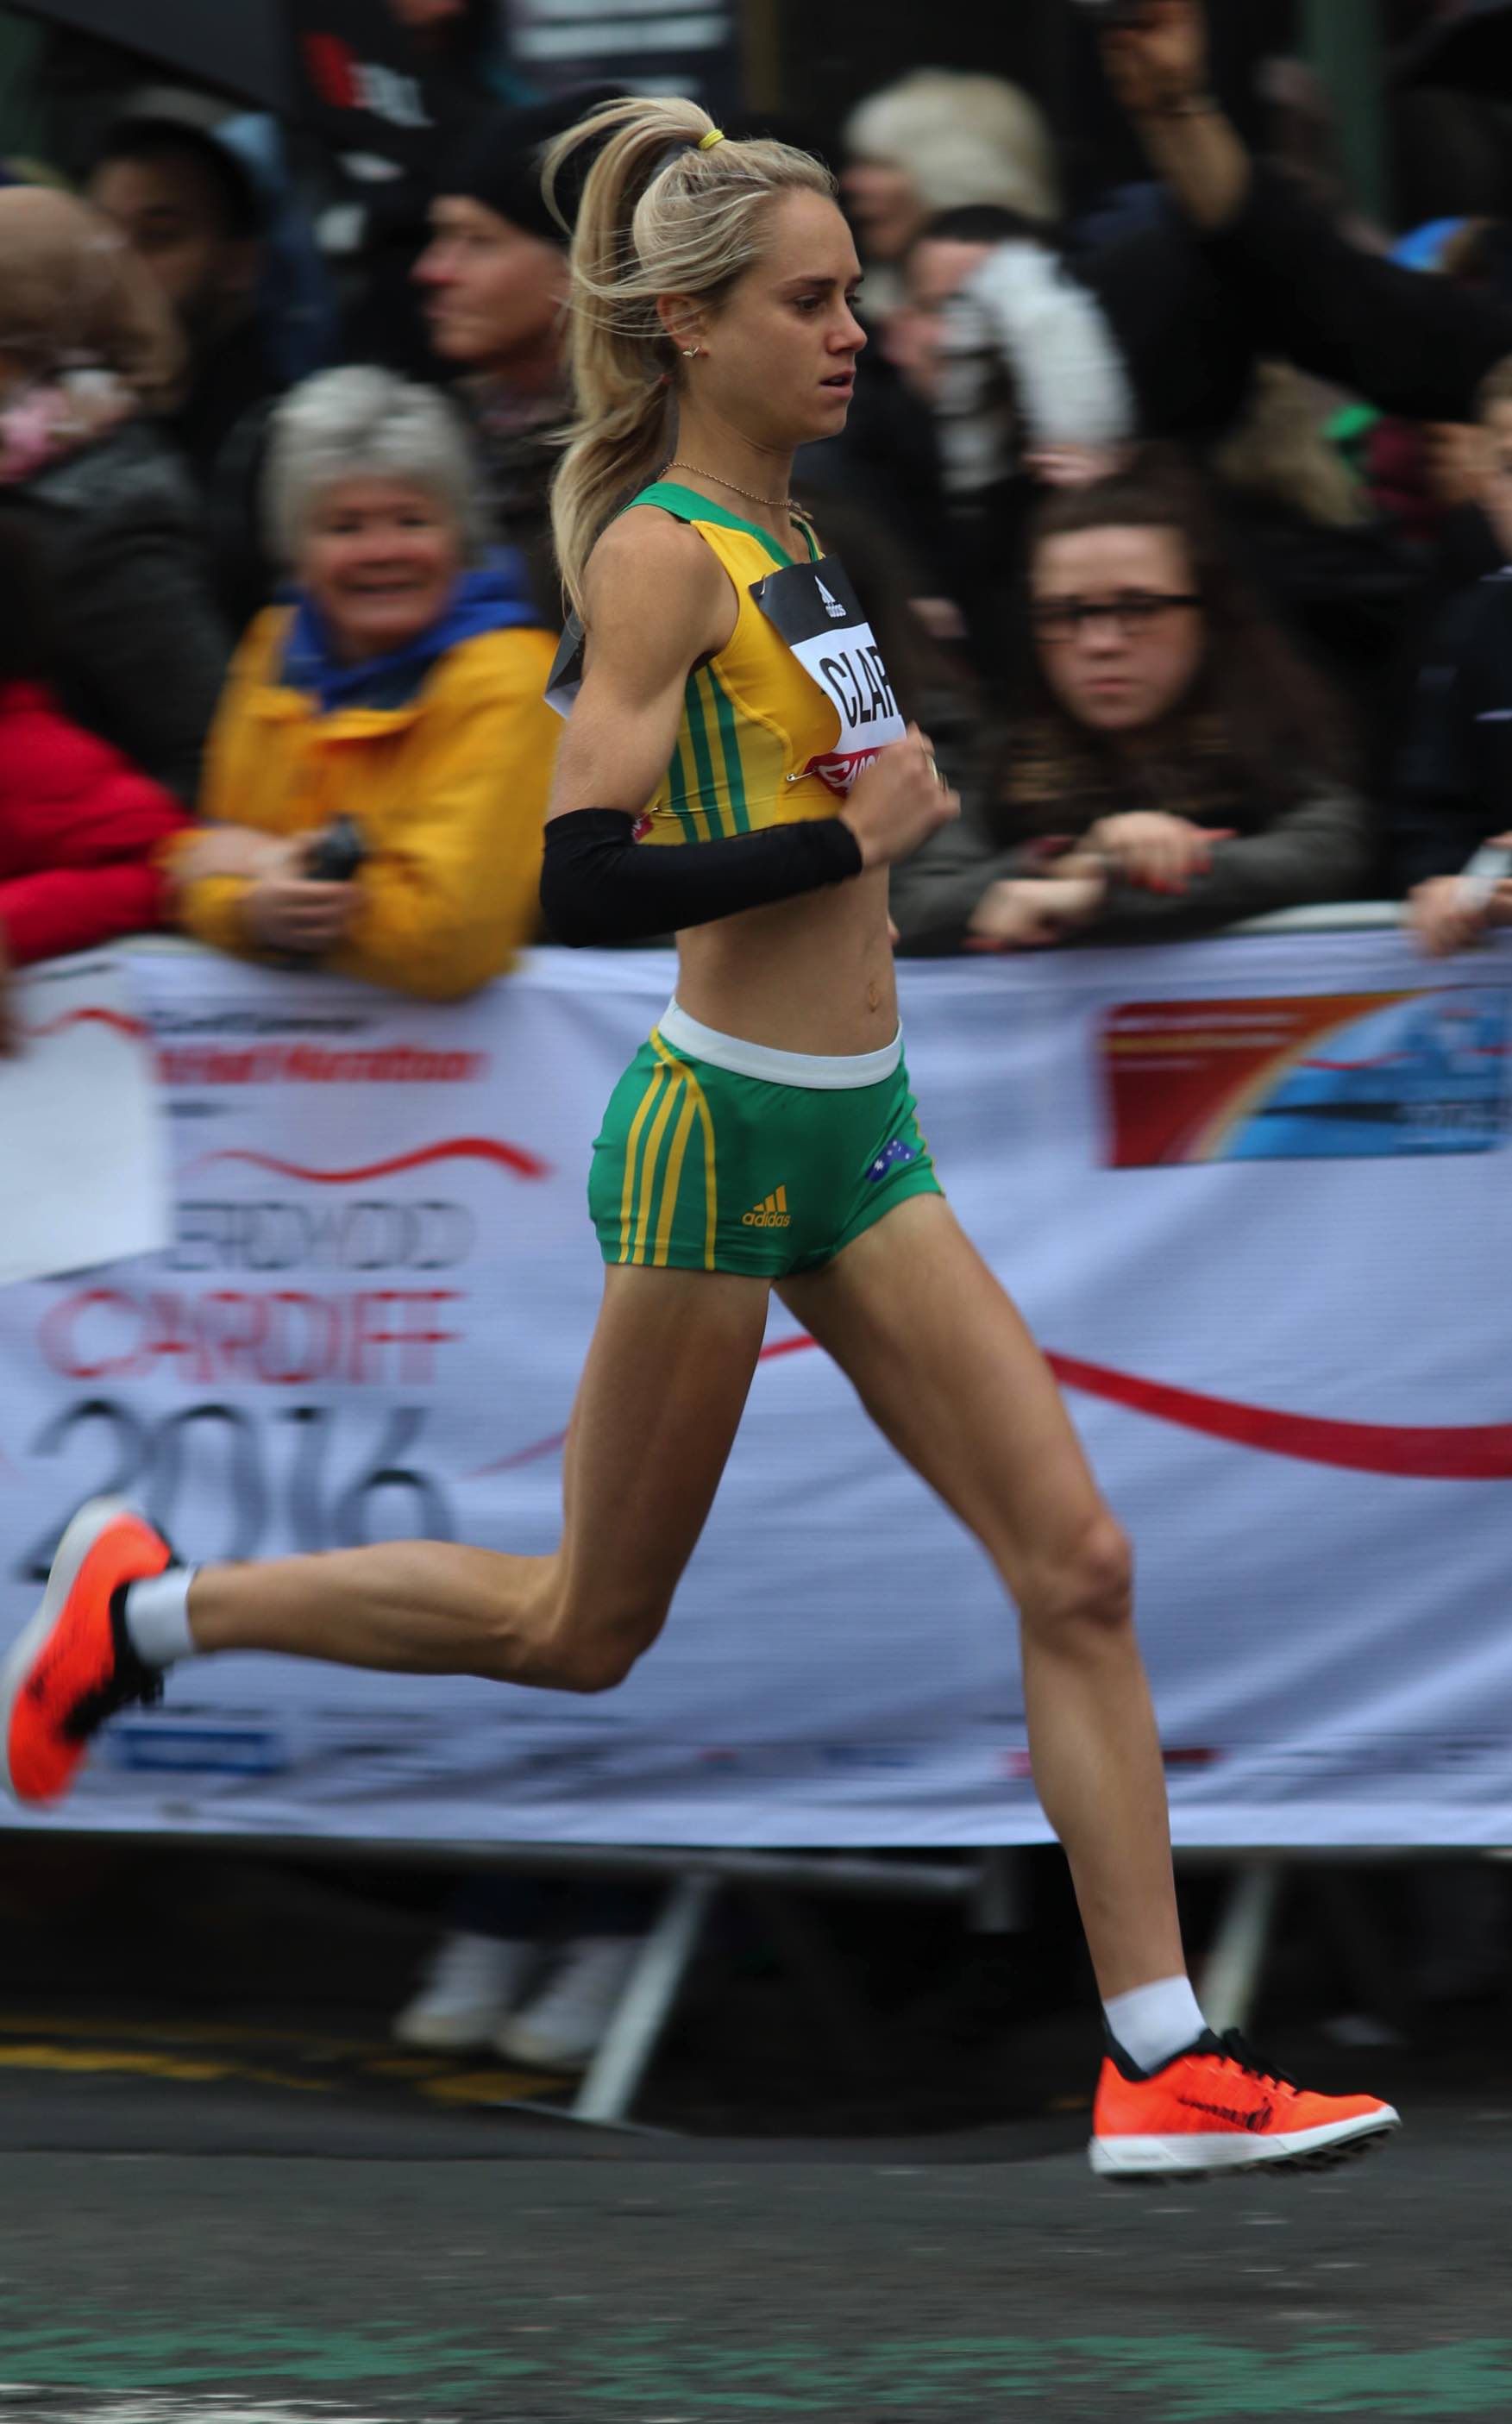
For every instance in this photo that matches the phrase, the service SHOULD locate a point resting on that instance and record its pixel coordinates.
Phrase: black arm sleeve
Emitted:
(598, 886)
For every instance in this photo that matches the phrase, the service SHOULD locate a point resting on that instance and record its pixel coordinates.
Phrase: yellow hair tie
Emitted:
(715, 134)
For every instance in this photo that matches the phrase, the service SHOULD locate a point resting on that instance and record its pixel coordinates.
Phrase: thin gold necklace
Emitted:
(773, 505)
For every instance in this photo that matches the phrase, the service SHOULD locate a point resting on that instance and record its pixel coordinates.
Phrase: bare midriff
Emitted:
(810, 975)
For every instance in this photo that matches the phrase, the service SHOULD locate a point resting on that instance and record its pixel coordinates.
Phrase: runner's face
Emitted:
(779, 357)
(380, 559)
(1110, 674)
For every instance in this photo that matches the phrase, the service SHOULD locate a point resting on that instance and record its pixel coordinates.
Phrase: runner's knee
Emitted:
(1088, 1583)
(594, 1648)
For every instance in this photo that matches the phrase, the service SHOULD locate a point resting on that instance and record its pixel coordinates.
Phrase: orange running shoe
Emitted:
(1214, 2108)
(73, 1667)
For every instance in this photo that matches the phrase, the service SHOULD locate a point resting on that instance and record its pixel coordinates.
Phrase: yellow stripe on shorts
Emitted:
(632, 1142)
(653, 1148)
(669, 1192)
(710, 1190)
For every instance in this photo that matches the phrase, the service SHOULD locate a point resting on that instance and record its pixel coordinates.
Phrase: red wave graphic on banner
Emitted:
(135, 1027)
(508, 1156)
(1407, 1452)
(1400, 1451)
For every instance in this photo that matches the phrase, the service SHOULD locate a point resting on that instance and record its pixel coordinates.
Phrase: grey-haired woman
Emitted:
(394, 715)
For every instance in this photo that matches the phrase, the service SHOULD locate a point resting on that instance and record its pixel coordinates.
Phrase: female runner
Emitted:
(764, 1138)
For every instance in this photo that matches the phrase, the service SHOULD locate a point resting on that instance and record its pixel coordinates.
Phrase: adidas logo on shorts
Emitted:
(773, 1214)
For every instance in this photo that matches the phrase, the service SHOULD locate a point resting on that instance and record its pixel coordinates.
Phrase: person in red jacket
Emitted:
(80, 826)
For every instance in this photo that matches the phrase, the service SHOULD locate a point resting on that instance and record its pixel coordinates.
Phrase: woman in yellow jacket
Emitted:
(377, 773)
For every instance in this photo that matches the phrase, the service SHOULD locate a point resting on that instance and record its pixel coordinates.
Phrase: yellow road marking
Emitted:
(146, 2066)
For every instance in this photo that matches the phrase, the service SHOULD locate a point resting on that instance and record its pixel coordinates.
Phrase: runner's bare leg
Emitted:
(945, 1366)
(660, 1400)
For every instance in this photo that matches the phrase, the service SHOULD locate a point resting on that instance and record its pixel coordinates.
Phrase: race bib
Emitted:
(816, 611)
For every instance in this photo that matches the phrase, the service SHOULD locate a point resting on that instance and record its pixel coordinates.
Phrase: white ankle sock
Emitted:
(1152, 2023)
(157, 1616)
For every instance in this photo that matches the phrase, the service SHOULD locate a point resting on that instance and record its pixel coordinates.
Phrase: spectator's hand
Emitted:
(1501, 902)
(288, 913)
(235, 849)
(1031, 913)
(942, 618)
(899, 801)
(1160, 853)
(1160, 59)
(1445, 915)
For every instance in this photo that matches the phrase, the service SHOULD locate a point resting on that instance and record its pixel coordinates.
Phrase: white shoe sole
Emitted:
(94, 1517)
(1201, 2158)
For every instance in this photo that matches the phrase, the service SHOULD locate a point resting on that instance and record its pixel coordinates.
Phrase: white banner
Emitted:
(78, 1098)
(1252, 1196)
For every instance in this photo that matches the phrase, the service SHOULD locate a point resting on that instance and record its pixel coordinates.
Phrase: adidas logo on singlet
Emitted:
(773, 1214)
(832, 607)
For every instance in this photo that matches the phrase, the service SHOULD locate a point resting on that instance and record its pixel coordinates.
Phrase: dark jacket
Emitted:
(1321, 849)
(232, 376)
(1453, 785)
(1414, 345)
(885, 463)
(1188, 317)
(222, 431)
(142, 650)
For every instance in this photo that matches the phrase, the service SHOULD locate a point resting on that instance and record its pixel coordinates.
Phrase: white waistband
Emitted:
(830, 1070)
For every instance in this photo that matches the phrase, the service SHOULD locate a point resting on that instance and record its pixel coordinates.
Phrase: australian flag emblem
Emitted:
(892, 1156)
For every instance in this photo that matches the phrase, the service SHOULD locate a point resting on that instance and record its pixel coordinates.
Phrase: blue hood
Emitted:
(494, 598)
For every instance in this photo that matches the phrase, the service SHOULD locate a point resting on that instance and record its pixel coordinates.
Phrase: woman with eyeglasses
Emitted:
(1169, 766)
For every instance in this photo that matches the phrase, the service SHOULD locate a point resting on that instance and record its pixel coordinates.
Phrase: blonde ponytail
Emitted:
(661, 213)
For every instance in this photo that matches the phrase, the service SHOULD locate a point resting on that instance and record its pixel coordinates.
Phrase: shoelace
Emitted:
(1244, 2058)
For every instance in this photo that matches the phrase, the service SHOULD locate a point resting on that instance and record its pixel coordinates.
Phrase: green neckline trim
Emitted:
(675, 498)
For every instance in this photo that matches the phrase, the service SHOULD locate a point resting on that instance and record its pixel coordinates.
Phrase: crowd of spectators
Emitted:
(1165, 513)
(1185, 527)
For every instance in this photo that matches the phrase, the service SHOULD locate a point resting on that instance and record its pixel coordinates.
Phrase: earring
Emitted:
(690, 353)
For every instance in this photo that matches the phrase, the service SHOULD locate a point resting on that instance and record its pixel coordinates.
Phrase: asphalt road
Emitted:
(488, 2264)
(225, 2197)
